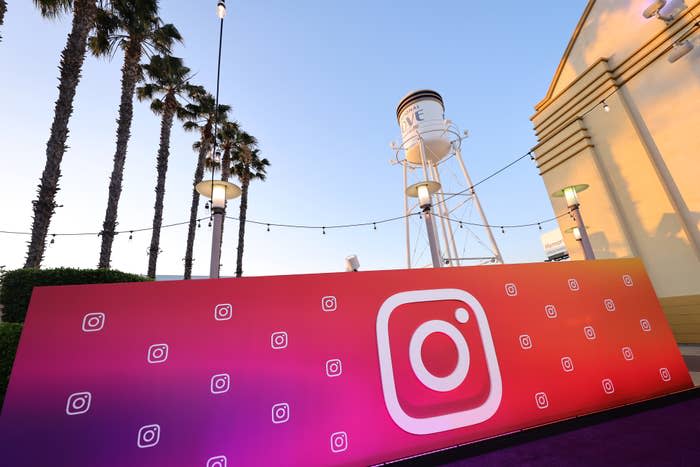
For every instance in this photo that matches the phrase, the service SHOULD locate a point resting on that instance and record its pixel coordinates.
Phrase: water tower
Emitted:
(431, 156)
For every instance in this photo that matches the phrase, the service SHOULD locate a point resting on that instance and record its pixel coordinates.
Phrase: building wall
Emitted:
(642, 158)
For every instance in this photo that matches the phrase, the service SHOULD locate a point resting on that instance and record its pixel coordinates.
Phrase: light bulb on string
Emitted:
(323, 229)
(539, 226)
(53, 239)
(460, 225)
(268, 227)
(606, 107)
(375, 225)
(131, 235)
(503, 230)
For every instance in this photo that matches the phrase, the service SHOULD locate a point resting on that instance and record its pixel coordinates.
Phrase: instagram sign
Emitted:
(432, 396)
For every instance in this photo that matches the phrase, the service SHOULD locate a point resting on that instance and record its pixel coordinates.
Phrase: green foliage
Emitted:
(9, 339)
(16, 288)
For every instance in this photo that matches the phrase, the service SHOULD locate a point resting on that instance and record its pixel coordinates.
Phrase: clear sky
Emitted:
(317, 83)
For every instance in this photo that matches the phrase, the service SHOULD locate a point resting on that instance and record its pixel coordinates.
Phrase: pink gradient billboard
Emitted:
(331, 369)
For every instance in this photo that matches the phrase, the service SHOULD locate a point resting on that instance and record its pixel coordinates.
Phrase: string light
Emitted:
(268, 227)
(460, 225)
(503, 230)
(131, 235)
(53, 239)
(539, 226)
(375, 225)
(324, 230)
(606, 107)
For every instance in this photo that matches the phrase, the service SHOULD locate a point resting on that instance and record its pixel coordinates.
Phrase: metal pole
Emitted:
(432, 238)
(406, 213)
(448, 234)
(216, 243)
(499, 258)
(585, 240)
(218, 212)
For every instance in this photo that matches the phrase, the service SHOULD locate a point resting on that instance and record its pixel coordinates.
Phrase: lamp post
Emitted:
(569, 193)
(424, 191)
(219, 192)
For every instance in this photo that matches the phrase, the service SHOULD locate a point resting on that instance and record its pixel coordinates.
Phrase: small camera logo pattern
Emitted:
(78, 403)
(278, 340)
(280, 413)
(541, 400)
(217, 461)
(511, 289)
(220, 383)
(525, 342)
(550, 311)
(329, 303)
(567, 365)
(223, 312)
(334, 368)
(339, 441)
(589, 332)
(93, 322)
(157, 353)
(149, 435)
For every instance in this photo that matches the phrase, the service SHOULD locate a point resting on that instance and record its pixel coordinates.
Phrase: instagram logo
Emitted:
(609, 304)
(567, 365)
(157, 353)
(223, 312)
(541, 400)
(645, 324)
(550, 311)
(511, 290)
(78, 403)
(447, 337)
(525, 342)
(573, 285)
(665, 375)
(608, 386)
(220, 383)
(589, 332)
(339, 441)
(329, 303)
(280, 413)
(217, 461)
(627, 354)
(93, 322)
(149, 436)
(278, 340)
(627, 280)
(334, 368)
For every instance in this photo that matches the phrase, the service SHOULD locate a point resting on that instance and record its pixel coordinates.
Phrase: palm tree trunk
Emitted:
(245, 182)
(198, 174)
(130, 70)
(3, 9)
(72, 58)
(162, 168)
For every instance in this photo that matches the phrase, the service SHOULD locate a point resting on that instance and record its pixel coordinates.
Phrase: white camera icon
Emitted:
(278, 340)
(645, 324)
(567, 365)
(223, 312)
(78, 402)
(541, 400)
(511, 289)
(589, 332)
(627, 354)
(149, 435)
(93, 322)
(550, 311)
(665, 374)
(157, 353)
(446, 421)
(280, 413)
(525, 341)
(334, 368)
(608, 386)
(329, 303)
(339, 441)
(220, 383)
(573, 285)
(627, 280)
(609, 304)
(217, 461)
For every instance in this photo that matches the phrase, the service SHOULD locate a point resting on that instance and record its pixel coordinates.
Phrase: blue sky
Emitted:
(317, 83)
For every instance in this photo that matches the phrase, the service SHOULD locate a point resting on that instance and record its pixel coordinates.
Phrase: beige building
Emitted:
(623, 119)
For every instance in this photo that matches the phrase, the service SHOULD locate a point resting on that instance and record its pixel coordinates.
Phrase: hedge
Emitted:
(16, 288)
(9, 338)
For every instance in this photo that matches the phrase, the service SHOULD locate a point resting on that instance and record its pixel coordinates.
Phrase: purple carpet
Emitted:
(664, 432)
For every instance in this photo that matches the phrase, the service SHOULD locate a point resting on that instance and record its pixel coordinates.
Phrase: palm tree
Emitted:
(202, 115)
(247, 166)
(228, 139)
(169, 85)
(3, 9)
(135, 27)
(72, 58)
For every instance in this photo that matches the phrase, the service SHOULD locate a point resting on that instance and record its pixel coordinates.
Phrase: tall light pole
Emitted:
(424, 191)
(217, 191)
(569, 193)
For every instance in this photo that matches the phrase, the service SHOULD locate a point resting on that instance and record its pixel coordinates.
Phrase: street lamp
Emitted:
(424, 191)
(569, 193)
(219, 192)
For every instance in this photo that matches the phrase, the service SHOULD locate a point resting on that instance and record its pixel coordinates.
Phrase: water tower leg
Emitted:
(446, 222)
(496, 251)
(406, 211)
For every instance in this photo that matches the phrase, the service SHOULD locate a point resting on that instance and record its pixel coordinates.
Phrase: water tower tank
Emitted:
(423, 113)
